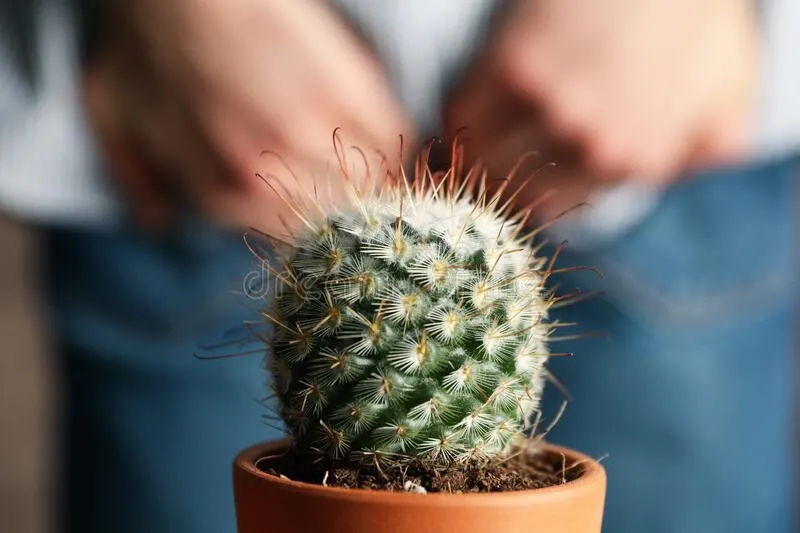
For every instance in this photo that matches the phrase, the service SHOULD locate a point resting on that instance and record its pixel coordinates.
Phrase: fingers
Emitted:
(126, 163)
(638, 95)
(202, 113)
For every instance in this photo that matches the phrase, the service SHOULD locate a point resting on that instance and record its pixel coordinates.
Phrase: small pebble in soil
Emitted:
(413, 486)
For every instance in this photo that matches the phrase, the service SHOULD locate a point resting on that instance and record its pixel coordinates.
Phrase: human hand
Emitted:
(611, 90)
(185, 95)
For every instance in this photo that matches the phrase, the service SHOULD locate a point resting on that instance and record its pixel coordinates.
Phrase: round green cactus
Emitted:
(410, 323)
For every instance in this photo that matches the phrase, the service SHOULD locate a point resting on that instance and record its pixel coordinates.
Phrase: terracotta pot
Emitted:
(269, 504)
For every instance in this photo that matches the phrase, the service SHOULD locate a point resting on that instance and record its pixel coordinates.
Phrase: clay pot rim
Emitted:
(593, 474)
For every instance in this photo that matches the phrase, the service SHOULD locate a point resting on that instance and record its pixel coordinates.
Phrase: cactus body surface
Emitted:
(412, 323)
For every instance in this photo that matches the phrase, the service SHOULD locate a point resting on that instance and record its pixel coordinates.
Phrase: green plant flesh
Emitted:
(412, 323)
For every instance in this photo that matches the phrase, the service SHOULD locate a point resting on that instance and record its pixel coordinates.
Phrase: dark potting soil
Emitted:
(543, 470)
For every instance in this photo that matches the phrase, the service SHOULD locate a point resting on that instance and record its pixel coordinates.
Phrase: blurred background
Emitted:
(26, 390)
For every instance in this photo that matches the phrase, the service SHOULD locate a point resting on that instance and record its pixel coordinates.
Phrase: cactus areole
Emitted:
(411, 322)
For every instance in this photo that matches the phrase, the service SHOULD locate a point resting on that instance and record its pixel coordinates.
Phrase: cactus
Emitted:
(412, 322)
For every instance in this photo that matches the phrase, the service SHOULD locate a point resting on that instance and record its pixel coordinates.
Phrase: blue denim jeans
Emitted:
(150, 429)
(691, 395)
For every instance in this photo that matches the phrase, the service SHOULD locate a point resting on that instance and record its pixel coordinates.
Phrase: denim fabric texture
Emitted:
(691, 397)
(150, 429)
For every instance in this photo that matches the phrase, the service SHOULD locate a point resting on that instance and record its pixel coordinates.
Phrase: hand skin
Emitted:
(611, 90)
(185, 95)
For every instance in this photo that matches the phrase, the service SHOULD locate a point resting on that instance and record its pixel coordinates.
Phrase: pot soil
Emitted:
(566, 495)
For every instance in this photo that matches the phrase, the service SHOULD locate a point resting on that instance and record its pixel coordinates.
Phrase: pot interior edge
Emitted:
(592, 473)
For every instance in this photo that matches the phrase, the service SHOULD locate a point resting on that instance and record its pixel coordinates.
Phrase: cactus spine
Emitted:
(412, 322)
